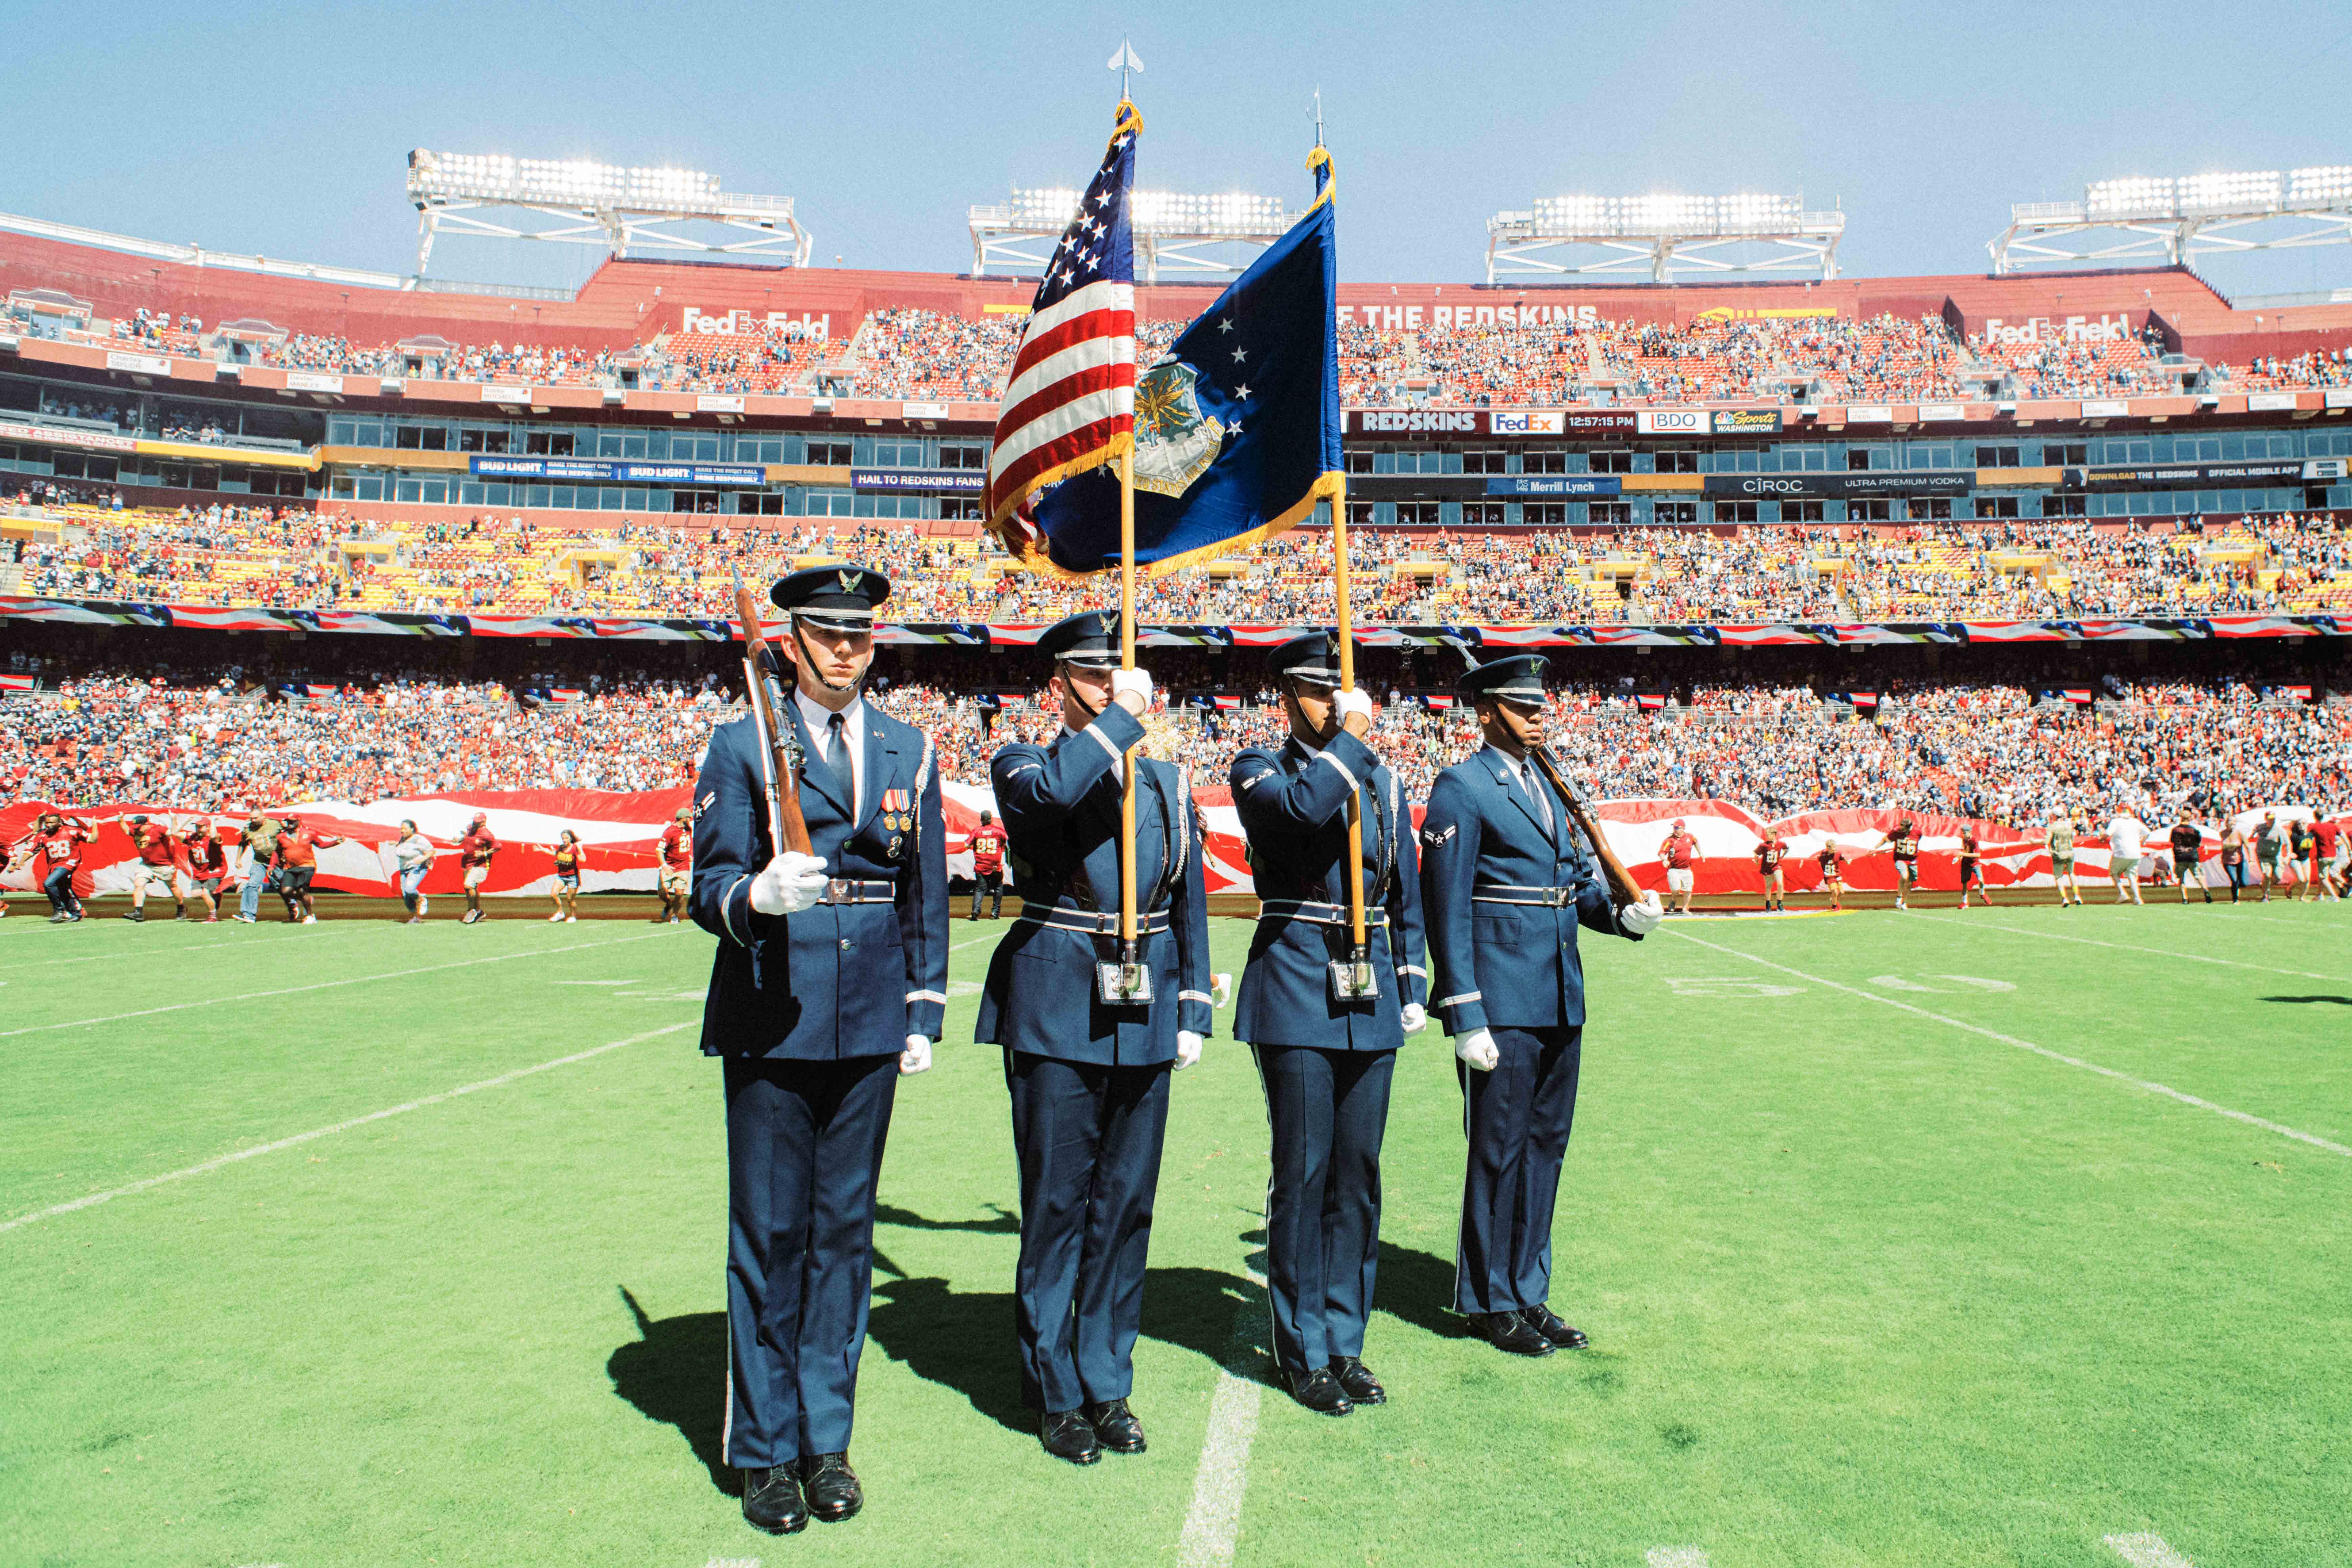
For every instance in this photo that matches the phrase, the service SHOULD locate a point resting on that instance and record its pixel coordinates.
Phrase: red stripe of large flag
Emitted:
(1070, 404)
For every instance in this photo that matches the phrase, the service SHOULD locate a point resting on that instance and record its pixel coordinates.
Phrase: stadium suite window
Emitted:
(1804, 510)
(1861, 459)
(1733, 511)
(1856, 512)
(1544, 514)
(1678, 462)
(422, 438)
(1543, 462)
(1616, 462)
(1996, 506)
(2064, 506)
(1482, 514)
(1355, 462)
(1483, 463)
(829, 454)
(1938, 509)
(483, 440)
(971, 457)
(1618, 513)
(549, 443)
(1995, 458)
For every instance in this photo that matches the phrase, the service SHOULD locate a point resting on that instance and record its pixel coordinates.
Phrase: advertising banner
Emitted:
(2106, 408)
(312, 381)
(1673, 422)
(1876, 482)
(1554, 485)
(1747, 421)
(2270, 402)
(495, 393)
(2158, 476)
(1527, 421)
(58, 436)
(565, 470)
(929, 482)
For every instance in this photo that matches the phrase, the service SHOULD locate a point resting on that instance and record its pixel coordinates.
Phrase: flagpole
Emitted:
(1360, 951)
(1127, 957)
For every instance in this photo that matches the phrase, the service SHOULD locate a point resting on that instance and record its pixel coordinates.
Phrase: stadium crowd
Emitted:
(288, 556)
(2000, 752)
(941, 355)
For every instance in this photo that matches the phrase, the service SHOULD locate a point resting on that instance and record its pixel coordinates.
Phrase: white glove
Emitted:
(917, 1056)
(1414, 1017)
(1221, 991)
(1641, 919)
(791, 882)
(1353, 701)
(1477, 1048)
(1132, 682)
(1188, 1048)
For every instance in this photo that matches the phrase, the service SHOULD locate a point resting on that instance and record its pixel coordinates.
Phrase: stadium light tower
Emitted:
(1658, 233)
(2171, 220)
(1172, 231)
(582, 203)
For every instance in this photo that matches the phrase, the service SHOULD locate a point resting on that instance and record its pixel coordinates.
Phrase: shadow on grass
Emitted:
(676, 1372)
(2340, 1001)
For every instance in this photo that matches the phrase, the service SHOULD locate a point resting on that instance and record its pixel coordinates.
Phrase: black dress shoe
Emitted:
(832, 1487)
(1509, 1331)
(771, 1501)
(1068, 1434)
(1321, 1393)
(1356, 1380)
(1546, 1322)
(1115, 1425)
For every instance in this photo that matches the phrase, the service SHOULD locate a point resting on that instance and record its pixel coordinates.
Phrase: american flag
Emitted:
(1070, 405)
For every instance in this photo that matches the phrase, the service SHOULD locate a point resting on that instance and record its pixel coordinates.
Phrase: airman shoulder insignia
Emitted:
(1433, 837)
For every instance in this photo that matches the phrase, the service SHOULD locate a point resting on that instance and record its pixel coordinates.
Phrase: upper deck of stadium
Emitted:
(669, 338)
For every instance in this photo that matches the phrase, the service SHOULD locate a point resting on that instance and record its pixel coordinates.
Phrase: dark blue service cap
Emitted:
(839, 597)
(1519, 677)
(1310, 656)
(1089, 639)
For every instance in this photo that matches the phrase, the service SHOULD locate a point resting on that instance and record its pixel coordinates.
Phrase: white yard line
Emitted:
(2123, 1078)
(2147, 1552)
(1213, 1524)
(2128, 947)
(1675, 1557)
(319, 986)
(142, 952)
(94, 1199)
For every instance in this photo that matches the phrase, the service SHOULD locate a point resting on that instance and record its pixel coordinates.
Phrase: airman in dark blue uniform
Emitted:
(1506, 881)
(1326, 1043)
(1089, 1077)
(816, 953)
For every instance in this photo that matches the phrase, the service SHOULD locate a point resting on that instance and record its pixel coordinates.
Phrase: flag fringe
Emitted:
(1033, 555)
(1328, 487)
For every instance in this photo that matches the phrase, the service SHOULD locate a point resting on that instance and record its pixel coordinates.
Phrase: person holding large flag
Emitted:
(1087, 1069)
(1325, 1049)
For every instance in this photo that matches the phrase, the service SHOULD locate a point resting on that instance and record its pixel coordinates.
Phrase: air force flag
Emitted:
(1236, 426)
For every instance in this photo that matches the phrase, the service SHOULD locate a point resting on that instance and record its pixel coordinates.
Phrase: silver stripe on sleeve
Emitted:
(1196, 997)
(1413, 969)
(727, 911)
(1353, 782)
(1106, 743)
(1458, 1001)
(938, 996)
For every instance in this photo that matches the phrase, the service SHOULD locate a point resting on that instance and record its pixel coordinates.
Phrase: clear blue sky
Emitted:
(284, 129)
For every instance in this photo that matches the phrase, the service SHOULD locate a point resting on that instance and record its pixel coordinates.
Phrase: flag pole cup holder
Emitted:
(1354, 979)
(1123, 983)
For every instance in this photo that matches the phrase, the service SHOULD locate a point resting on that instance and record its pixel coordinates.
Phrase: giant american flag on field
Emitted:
(1070, 404)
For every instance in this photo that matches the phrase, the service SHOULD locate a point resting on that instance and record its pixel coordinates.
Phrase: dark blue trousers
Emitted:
(1326, 1111)
(804, 1148)
(1088, 1138)
(1516, 1119)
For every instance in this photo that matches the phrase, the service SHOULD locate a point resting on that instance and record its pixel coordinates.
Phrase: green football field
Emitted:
(2019, 1236)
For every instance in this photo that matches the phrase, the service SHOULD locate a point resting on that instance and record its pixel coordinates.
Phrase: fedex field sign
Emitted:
(750, 323)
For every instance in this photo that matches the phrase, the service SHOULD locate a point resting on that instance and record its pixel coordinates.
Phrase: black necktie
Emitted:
(836, 757)
(1538, 795)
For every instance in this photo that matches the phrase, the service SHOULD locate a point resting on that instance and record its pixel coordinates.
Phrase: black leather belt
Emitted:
(1315, 913)
(1087, 922)
(1510, 893)
(850, 891)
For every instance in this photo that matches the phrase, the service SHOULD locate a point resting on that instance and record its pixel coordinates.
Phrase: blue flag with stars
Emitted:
(1236, 426)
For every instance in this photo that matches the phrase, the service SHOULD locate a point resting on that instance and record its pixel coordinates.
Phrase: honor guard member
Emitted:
(1505, 879)
(1326, 1042)
(811, 948)
(1089, 1077)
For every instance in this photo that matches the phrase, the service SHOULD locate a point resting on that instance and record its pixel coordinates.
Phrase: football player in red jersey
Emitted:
(56, 851)
(677, 846)
(297, 861)
(1769, 854)
(474, 852)
(208, 865)
(152, 841)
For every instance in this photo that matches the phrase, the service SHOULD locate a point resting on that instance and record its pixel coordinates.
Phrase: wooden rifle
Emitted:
(787, 829)
(1622, 886)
